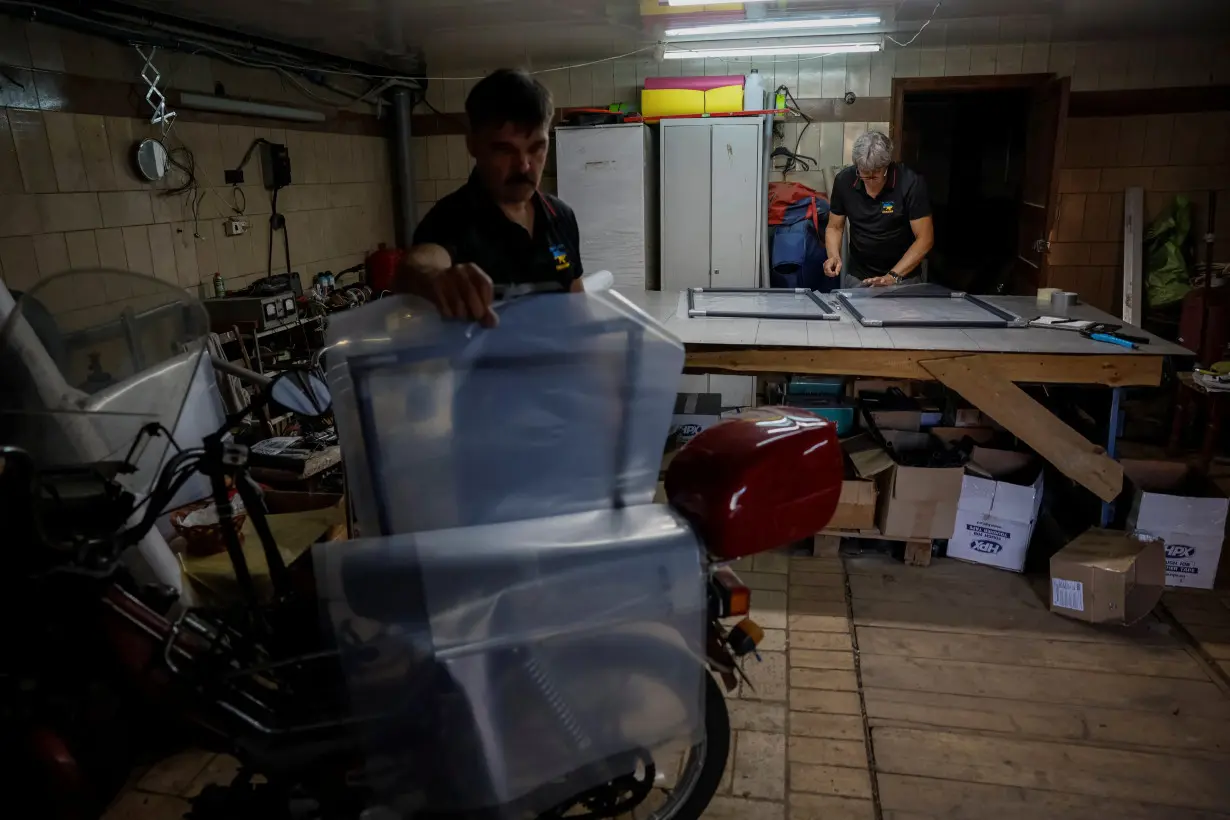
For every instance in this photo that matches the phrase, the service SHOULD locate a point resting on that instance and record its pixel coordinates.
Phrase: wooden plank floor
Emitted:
(899, 693)
(887, 692)
(982, 704)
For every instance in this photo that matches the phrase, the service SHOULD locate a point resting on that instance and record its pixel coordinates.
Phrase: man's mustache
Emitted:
(519, 179)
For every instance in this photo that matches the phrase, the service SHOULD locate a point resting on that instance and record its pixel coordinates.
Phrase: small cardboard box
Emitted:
(998, 509)
(856, 508)
(1107, 577)
(694, 412)
(1187, 511)
(914, 502)
(919, 502)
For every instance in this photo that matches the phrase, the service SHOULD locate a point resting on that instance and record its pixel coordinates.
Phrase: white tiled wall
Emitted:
(1093, 66)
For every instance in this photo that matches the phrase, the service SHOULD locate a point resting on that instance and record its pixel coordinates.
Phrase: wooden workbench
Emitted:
(982, 365)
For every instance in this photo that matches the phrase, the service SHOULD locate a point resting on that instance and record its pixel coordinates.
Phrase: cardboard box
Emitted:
(919, 502)
(914, 502)
(1187, 511)
(694, 412)
(856, 508)
(905, 419)
(1107, 577)
(955, 435)
(1000, 496)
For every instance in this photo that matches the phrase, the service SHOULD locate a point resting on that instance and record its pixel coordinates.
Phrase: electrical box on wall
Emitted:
(275, 164)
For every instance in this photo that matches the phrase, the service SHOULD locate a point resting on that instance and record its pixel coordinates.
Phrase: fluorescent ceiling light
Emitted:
(709, 2)
(769, 51)
(774, 25)
(245, 108)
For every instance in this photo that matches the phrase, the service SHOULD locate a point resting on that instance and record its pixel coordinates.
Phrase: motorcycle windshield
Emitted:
(564, 407)
(90, 357)
(516, 665)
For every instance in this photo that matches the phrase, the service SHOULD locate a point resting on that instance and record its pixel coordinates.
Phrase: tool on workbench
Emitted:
(1088, 328)
(1110, 338)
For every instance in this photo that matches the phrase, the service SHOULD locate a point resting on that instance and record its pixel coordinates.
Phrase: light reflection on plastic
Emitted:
(734, 499)
(787, 424)
(814, 447)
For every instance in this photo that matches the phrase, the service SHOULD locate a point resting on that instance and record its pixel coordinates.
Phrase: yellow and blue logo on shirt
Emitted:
(561, 258)
(887, 207)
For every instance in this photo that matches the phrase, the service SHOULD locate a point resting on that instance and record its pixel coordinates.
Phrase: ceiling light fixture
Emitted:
(770, 50)
(755, 27)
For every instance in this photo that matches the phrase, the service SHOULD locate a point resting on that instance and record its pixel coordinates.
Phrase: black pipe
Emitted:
(403, 166)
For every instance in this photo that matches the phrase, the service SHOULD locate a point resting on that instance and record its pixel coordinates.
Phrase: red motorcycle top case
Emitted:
(757, 481)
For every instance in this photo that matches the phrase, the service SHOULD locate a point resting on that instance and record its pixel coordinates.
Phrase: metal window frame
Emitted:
(827, 313)
(1006, 318)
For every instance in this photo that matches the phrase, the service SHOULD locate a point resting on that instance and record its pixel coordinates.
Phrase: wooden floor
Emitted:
(952, 694)
(956, 694)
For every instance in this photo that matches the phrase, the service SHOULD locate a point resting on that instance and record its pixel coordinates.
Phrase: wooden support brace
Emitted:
(988, 388)
(1114, 370)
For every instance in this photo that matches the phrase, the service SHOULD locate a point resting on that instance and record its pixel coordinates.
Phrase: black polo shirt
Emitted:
(880, 230)
(471, 227)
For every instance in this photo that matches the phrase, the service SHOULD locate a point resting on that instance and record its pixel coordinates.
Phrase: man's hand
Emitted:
(884, 281)
(464, 292)
(832, 266)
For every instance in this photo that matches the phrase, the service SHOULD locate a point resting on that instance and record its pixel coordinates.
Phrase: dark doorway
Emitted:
(970, 146)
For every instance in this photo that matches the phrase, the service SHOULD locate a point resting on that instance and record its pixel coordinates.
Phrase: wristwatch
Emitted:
(897, 278)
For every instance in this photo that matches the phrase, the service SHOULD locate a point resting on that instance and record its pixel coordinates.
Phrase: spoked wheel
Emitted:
(666, 784)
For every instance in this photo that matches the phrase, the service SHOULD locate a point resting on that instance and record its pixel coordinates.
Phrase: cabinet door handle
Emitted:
(716, 272)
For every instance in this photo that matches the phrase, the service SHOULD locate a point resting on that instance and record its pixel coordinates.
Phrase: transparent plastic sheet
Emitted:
(519, 664)
(756, 304)
(87, 358)
(563, 407)
(924, 309)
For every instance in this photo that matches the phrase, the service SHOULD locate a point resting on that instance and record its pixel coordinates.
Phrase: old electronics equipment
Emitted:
(265, 312)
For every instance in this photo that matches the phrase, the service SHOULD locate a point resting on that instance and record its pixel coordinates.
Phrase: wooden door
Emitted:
(686, 194)
(735, 214)
(1046, 127)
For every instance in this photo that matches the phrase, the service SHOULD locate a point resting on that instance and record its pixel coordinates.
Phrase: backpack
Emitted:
(797, 252)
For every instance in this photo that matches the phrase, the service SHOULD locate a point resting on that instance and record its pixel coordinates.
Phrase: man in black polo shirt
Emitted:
(890, 217)
(498, 228)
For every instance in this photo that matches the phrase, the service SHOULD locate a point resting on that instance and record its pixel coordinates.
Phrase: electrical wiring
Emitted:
(938, 3)
(793, 105)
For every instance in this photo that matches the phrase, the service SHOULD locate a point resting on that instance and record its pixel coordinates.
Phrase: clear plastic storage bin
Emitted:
(519, 664)
(564, 407)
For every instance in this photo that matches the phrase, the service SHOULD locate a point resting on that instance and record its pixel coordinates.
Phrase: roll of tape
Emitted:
(1063, 300)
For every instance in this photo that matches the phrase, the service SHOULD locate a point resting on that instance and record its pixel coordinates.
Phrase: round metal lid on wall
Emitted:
(150, 159)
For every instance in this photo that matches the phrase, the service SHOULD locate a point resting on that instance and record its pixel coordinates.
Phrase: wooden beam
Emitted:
(989, 389)
(1115, 370)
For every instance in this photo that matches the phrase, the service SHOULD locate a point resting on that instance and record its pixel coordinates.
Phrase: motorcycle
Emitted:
(378, 716)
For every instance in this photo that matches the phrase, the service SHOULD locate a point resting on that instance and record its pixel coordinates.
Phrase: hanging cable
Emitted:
(938, 3)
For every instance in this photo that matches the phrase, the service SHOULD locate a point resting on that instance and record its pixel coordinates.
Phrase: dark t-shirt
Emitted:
(471, 227)
(880, 230)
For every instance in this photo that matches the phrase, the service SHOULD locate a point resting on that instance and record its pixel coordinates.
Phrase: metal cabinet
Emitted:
(608, 175)
(714, 202)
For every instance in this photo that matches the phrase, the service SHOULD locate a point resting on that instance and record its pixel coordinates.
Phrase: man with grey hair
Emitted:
(889, 213)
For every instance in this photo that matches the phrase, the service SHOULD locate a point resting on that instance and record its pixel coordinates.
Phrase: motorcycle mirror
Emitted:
(301, 392)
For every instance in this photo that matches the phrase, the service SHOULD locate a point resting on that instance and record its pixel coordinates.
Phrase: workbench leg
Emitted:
(1112, 444)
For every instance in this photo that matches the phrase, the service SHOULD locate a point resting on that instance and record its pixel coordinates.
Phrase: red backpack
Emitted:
(784, 194)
